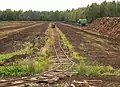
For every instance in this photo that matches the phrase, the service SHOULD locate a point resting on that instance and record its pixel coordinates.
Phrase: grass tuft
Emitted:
(13, 71)
(26, 67)
(84, 69)
(26, 50)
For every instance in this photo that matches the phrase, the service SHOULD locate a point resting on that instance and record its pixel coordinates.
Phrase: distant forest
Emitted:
(91, 12)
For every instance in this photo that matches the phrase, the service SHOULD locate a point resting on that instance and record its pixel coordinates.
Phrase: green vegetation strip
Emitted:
(70, 47)
(84, 68)
(26, 67)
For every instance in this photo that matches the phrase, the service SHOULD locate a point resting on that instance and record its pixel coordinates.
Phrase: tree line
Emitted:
(91, 12)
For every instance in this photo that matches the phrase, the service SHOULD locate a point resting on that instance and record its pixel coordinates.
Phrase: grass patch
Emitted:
(26, 50)
(5, 56)
(84, 69)
(26, 66)
(35, 65)
(40, 65)
(13, 70)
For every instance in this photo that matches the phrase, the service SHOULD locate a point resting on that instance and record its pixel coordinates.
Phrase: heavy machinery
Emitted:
(83, 22)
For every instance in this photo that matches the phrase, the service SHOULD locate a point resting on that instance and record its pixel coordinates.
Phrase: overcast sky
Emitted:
(45, 5)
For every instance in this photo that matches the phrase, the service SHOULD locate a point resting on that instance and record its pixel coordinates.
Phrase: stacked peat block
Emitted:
(109, 26)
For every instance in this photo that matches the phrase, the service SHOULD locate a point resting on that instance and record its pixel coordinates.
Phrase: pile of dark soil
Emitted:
(109, 26)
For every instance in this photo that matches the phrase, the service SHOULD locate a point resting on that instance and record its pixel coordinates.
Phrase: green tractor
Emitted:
(83, 22)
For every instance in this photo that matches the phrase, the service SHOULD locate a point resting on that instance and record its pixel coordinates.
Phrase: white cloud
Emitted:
(46, 5)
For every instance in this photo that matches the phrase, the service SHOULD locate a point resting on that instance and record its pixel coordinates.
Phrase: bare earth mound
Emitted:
(107, 25)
